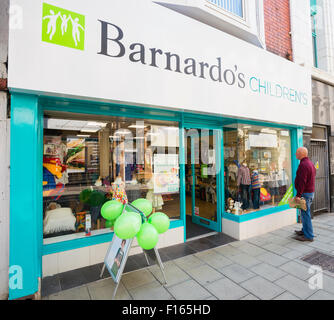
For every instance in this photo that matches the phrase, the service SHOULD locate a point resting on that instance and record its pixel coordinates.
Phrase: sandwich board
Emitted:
(118, 252)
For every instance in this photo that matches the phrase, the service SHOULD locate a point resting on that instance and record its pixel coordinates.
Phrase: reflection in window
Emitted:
(257, 167)
(88, 160)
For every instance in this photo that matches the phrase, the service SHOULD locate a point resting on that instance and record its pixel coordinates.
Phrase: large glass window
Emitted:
(257, 167)
(88, 160)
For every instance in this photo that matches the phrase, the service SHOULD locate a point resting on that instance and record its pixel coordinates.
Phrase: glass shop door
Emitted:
(203, 179)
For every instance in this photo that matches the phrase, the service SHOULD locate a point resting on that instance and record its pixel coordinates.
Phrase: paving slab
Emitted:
(296, 269)
(272, 258)
(78, 293)
(189, 290)
(321, 295)
(328, 283)
(295, 286)
(225, 289)
(227, 250)
(252, 249)
(245, 260)
(321, 246)
(262, 288)
(218, 261)
(173, 273)
(286, 296)
(151, 291)
(104, 289)
(250, 297)
(237, 273)
(137, 278)
(293, 254)
(276, 248)
(204, 274)
(268, 272)
(188, 262)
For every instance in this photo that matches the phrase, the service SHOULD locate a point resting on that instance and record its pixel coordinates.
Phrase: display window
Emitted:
(88, 160)
(257, 168)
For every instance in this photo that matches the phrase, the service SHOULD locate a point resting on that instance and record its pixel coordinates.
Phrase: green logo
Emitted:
(63, 27)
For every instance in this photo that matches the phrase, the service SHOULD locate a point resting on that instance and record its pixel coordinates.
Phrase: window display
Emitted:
(88, 160)
(257, 167)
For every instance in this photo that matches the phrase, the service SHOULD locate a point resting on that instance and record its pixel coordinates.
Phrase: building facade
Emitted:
(181, 114)
(318, 139)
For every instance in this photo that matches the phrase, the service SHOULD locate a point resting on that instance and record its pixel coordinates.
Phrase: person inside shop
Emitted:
(244, 183)
(305, 186)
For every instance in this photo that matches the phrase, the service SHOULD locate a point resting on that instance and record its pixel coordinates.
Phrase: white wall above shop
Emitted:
(162, 59)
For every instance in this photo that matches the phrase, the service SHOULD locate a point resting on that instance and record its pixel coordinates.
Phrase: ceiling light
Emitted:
(89, 130)
(96, 124)
(137, 126)
(83, 135)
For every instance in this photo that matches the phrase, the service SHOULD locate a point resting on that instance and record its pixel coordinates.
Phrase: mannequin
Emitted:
(244, 182)
(118, 190)
(273, 183)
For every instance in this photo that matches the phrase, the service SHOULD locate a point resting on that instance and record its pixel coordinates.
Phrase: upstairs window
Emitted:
(314, 31)
(235, 7)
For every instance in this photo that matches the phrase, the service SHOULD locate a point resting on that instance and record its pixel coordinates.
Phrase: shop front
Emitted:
(178, 114)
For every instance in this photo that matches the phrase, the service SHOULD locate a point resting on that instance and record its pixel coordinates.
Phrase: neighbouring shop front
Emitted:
(319, 141)
(177, 115)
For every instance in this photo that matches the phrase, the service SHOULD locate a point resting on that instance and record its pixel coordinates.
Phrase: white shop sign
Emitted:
(141, 53)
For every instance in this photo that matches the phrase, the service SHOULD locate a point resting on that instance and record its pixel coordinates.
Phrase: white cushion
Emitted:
(57, 220)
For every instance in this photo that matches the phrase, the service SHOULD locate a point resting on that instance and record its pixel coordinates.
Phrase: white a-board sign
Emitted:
(118, 252)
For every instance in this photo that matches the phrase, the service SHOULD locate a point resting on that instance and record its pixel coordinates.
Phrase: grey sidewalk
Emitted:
(264, 267)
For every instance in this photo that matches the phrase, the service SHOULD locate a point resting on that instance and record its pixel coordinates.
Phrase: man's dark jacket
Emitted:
(305, 177)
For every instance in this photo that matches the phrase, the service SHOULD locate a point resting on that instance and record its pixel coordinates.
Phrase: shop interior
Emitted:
(105, 158)
(257, 167)
(201, 190)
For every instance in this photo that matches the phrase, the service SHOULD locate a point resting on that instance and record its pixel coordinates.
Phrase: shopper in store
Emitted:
(304, 184)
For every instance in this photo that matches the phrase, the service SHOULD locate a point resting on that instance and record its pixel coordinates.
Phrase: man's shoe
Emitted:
(303, 238)
(299, 233)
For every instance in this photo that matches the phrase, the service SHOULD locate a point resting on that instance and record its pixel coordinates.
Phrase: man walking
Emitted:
(304, 184)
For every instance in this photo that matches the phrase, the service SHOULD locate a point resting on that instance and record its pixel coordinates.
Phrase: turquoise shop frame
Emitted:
(214, 225)
(26, 247)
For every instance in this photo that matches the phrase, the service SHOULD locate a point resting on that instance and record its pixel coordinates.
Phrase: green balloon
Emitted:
(143, 205)
(127, 225)
(109, 223)
(136, 215)
(148, 236)
(111, 210)
(160, 221)
(85, 195)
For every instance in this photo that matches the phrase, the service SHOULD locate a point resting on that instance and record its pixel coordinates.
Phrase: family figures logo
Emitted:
(63, 27)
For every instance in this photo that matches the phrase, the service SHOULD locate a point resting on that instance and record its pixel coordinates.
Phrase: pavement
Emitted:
(266, 267)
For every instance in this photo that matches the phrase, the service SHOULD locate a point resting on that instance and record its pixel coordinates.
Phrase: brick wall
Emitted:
(277, 27)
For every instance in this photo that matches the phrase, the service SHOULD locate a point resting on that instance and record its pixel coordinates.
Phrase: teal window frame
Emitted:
(26, 247)
(314, 31)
